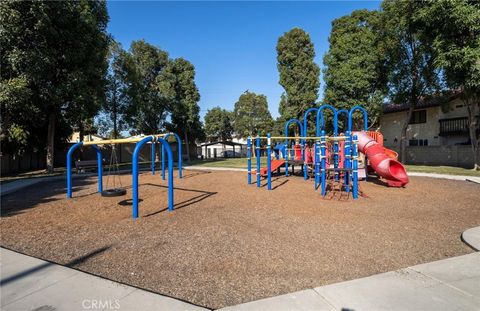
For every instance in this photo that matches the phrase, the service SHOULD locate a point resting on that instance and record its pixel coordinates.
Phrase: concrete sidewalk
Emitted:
(29, 283)
(449, 284)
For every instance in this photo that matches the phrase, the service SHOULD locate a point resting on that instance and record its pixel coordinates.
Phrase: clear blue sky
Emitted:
(231, 44)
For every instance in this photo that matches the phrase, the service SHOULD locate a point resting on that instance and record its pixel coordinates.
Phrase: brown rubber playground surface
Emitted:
(229, 243)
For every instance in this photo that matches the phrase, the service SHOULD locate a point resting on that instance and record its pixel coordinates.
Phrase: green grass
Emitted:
(241, 163)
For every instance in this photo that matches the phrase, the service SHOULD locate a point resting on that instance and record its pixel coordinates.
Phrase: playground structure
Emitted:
(139, 142)
(334, 160)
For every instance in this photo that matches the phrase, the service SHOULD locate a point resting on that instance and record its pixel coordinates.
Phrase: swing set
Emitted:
(113, 184)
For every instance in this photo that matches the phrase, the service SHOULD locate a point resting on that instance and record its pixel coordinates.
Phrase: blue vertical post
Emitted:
(269, 162)
(355, 167)
(69, 168)
(179, 142)
(317, 163)
(163, 162)
(286, 156)
(335, 156)
(152, 150)
(305, 166)
(346, 161)
(170, 172)
(323, 148)
(257, 150)
(99, 167)
(249, 159)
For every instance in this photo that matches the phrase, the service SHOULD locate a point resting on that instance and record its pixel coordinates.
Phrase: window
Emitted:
(418, 142)
(419, 116)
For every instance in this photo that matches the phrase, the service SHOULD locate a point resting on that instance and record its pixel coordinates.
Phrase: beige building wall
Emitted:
(391, 126)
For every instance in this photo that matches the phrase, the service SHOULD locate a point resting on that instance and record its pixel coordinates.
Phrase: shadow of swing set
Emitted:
(153, 141)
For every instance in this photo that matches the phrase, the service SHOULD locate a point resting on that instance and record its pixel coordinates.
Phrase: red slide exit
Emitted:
(391, 170)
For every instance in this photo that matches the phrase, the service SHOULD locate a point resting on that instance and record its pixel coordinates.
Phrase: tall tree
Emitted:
(299, 75)
(410, 67)
(251, 115)
(147, 105)
(453, 28)
(57, 51)
(218, 124)
(178, 83)
(353, 64)
(111, 120)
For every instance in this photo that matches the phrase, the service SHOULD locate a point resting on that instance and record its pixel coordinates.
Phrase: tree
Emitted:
(299, 75)
(453, 28)
(218, 124)
(353, 64)
(147, 105)
(178, 83)
(411, 72)
(56, 52)
(251, 115)
(111, 121)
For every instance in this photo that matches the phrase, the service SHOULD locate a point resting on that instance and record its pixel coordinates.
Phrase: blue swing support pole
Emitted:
(179, 142)
(152, 151)
(135, 171)
(69, 167)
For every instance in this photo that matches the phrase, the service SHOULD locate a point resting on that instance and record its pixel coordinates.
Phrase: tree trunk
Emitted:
(187, 146)
(474, 131)
(50, 142)
(403, 135)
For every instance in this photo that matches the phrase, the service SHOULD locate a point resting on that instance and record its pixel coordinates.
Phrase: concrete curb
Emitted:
(471, 237)
(446, 176)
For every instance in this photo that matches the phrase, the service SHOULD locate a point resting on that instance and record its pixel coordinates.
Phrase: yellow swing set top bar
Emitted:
(120, 140)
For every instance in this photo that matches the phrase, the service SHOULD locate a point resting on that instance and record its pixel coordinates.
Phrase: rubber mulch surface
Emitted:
(228, 243)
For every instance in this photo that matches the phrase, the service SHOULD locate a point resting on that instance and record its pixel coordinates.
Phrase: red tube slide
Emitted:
(391, 170)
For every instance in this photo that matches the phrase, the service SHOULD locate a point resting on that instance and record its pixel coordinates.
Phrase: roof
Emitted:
(431, 101)
(229, 143)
